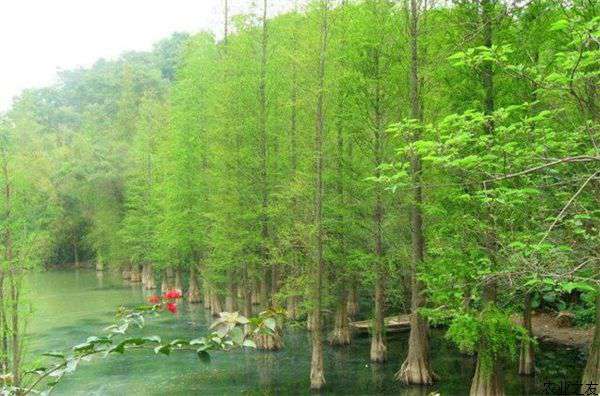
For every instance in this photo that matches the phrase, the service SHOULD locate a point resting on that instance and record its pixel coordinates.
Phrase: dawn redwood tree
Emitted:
(317, 375)
(416, 368)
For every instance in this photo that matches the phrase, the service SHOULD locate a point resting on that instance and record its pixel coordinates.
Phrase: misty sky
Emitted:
(38, 37)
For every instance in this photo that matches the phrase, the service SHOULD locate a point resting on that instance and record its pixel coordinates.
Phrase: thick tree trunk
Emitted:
(215, 304)
(164, 286)
(126, 273)
(136, 276)
(178, 280)
(206, 297)
(527, 356)
(193, 291)
(169, 275)
(353, 300)
(378, 348)
(99, 264)
(487, 381)
(150, 281)
(340, 334)
(230, 298)
(488, 378)
(292, 307)
(591, 373)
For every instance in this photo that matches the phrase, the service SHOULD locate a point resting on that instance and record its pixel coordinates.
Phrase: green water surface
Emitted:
(69, 306)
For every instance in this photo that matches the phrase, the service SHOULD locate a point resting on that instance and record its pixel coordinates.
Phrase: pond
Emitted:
(69, 306)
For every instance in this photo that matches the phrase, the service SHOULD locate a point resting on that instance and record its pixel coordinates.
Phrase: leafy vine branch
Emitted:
(229, 331)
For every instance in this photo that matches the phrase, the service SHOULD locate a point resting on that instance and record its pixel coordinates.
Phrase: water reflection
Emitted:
(71, 305)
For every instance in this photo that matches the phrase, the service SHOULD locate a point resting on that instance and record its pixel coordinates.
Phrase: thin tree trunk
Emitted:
(317, 377)
(247, 293)
(76, 254)
(527, 356)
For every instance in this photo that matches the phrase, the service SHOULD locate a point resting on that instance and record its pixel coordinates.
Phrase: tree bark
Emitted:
(527, 355)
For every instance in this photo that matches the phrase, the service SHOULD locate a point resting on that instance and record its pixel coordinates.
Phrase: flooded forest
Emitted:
(352, 197)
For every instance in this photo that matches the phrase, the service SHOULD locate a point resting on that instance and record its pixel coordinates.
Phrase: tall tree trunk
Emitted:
(231, 297)
(135, 275)
(193, 291)
(178, 280)
(247, 290)
(317, 377)
(527, 355)
(416, 369)
(353, 299)
(150, 283)
(488, 377)
(75, 255)
(591, 373)
(378, 348)
(340, 335)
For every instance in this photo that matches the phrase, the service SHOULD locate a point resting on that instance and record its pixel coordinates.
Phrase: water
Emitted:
(72, 305)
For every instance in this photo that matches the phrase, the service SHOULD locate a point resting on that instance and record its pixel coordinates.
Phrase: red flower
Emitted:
(172, 307)
(173, 294)
(154, 299)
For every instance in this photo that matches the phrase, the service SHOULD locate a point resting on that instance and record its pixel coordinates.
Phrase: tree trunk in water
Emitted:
(231, 297)
(135, 277)
(487, 383)
(527, 356)
(207, 295)
(378, 348)
(591, 374)
(215, 304)
(488, 378)
(178, 280)
(164, 286)
(193, 291)
(255, 293)
(353, 300)
(247, 293)
(76, 255)
(150, 283)
(169, 275)
(126, 272)
(292, 307)
(341, 328)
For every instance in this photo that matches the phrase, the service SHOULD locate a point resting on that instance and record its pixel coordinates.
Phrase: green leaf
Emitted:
(153, 338)
(270, 323)
(237, 335)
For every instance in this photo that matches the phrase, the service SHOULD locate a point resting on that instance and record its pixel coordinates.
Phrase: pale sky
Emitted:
(39, 37)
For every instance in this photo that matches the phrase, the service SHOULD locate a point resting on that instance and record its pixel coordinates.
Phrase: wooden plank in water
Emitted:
(392, 323)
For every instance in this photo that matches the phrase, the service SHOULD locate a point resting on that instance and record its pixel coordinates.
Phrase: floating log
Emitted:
(392, 324)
